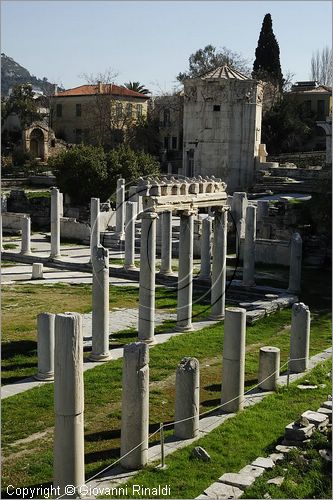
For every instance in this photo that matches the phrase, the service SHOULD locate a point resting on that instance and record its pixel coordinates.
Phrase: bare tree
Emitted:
(321, 66)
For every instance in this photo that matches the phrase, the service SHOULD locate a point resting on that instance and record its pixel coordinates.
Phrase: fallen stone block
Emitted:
(223, 491)
(265, 463)
(278, 480)
(327, 412)
(328, 405)
(201, 454)
(252, 470)
(255, 315)
(285, 449)
(318, 419)
(295, 433)
(305, 387)
(241, 481)
(276, 457)
(326, 455)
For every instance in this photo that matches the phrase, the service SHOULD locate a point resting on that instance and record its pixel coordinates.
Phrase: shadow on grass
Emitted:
(11, 349)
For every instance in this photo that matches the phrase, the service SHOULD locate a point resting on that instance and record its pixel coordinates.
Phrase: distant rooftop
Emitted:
(310, 86)
(101, 88)
(224, 72)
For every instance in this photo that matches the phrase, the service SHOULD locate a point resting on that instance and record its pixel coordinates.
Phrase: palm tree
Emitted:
(137, 87)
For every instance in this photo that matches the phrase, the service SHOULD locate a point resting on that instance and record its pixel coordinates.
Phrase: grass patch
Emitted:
(38, 194)
(9, 246)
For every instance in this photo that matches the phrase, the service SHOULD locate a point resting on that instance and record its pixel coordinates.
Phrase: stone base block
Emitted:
(241, 481)
(100, 357)
(327, 412)
(318, 419)
(44, 377)
(265, 463)
(222, 491)
(295, 433)
(252, 470)
(184, 328)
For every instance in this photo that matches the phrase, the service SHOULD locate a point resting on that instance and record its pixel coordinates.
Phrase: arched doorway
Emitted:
(37, 143)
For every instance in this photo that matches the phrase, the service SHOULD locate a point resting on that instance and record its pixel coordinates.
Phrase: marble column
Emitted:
(100, 305)
(249, 247)
(295, 266)
(120, 207)
(55, 223)
(94, 223)
(131, 213)
(26, 236)
(299, 338)
(233, 365)
(135, 406)
(269, 368)
(69, 404)
(262, 209)
(187, 399)
(219, 266)
(166, 243)
(45, 346)
(147, 278)
(206, 248)
(185, 272)
(37, 271)
(1, 242)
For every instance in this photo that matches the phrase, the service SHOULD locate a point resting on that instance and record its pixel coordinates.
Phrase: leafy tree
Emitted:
(22, 102)
(208, 58)
(87, 171)
(267, 62)
(137, 87)
(321, 66)
(144, 135)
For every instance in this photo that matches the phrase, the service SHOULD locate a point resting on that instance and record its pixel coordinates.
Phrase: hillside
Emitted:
(13, 73)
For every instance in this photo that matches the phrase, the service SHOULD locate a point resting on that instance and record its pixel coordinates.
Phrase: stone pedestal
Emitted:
(166, 243)
(249, 247)
(185, 272)
(55, 223)
(219, 267)
(269, 368)
(45, 346)
(295, 266)
(187, 399)
(94, 223)
(131, 213)
(26, 236)
(299, 338)
(206, 248)
(147, 278)
(68, 403)
(37, 271)
(120, 208)
(100, 305)
(135, 406)
(233, 365)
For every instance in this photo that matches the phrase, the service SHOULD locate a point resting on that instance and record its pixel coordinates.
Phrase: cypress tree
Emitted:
(267, 62)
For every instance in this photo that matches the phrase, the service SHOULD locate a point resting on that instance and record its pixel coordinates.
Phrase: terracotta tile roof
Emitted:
(107, 88)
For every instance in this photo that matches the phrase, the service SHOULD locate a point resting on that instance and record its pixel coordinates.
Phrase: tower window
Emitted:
(216, 107)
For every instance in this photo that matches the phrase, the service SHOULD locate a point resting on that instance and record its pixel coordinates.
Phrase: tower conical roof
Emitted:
(224, 72)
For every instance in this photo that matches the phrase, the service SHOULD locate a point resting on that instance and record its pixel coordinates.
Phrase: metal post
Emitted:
(162, 446)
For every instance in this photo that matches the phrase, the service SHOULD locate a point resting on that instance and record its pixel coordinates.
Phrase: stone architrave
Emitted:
(206, 248)
(26, 236)
(147, 278)
(45, 346)
(249, 247)
(94, 223)
(269, 368)
(185, 272)
(135, 406)
(120, 207)
(69, 404)
(100, 305)
(233, 365)
(187, 399)
(131, 213)
(37, 271)
(219, 266)
(55, 223)
(299, 338)
(166, 243)
(295, 266)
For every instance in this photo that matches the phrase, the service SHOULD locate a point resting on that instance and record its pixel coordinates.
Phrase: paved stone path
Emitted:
(116, 475)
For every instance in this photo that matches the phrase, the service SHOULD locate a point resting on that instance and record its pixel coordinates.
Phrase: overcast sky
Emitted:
(151, 41)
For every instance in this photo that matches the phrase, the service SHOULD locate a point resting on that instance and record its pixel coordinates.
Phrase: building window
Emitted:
(78, 110)
(166, 142)
(119, 110)
(321, 110)
(129, 110)
(166, 117)
(216, 107)
(139, 110)
(174, 143)
(59, 110)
